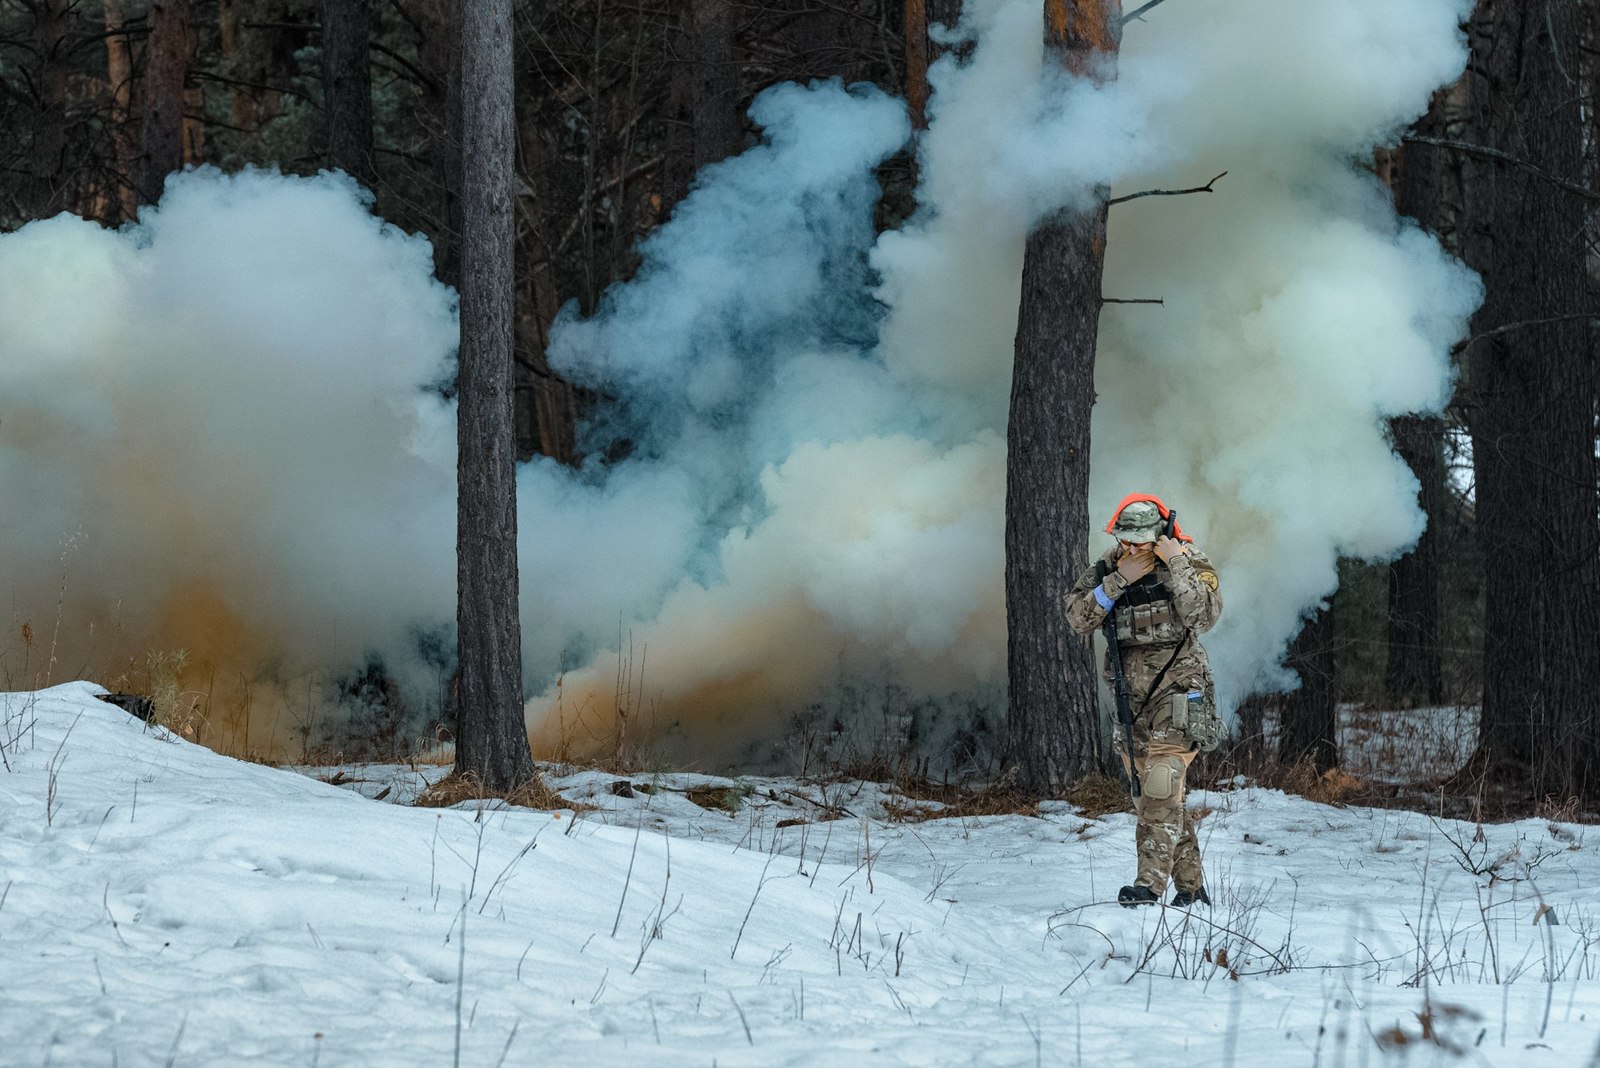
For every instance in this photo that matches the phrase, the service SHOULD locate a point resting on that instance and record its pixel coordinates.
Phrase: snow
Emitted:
(162, 904)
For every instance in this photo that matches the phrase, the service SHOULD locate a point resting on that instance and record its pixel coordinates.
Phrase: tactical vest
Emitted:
(1145, 614)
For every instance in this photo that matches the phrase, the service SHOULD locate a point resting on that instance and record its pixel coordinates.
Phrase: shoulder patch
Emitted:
(1209, 578)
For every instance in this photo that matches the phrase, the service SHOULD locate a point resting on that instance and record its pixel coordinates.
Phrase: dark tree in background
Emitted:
(1531, 401)
(1414, 669)
(718, 123)
(1053, 714)
(43, 193)
(166, 69)
(491, 740)
(124, 200)
(1428, 190)
(347, 85)
(1307, 728)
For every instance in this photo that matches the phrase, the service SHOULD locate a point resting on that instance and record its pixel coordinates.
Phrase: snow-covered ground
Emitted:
(163, 905)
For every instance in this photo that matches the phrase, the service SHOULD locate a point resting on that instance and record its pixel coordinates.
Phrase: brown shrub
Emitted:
(456, 788)
(1098, 794)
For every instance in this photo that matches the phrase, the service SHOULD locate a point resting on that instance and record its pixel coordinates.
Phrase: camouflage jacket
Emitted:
(1159, 619)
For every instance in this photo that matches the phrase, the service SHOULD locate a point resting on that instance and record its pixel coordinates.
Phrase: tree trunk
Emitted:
(1414, 672)
(347, 81)
(717, 129)
(1531, 407)
(917, 62)
(124, 140)
(1307, 729)
(166, 70)
(1053, 716)
(492, 743)
(44, 189)
(439, 56)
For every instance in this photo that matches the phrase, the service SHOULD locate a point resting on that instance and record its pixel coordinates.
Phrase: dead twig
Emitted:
(1207, 188)
(1134, 14)
(1497, 156)
(1462, 346)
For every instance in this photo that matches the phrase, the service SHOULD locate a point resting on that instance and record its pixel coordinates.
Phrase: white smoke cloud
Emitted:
(216, 416)
(1299, 313)
(223, 409)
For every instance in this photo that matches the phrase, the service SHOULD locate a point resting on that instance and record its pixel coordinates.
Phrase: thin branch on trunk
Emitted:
(1134, 14)
(1207, 188)
(1463, 346)
(1485, 152)
(1135, 300)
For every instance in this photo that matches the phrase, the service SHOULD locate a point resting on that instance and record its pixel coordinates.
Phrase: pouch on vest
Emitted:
(1195, 715)
(1148, 624)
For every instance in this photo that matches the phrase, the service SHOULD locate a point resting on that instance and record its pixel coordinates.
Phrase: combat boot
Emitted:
(1131, 897)
(1184, 898)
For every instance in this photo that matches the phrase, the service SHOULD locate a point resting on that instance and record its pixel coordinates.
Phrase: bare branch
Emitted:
(1485, 152)
(1140, 11)
(1168, 192)
(1463, 346)
(1140, 300)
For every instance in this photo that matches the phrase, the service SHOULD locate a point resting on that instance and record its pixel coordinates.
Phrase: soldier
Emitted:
(1164, 594)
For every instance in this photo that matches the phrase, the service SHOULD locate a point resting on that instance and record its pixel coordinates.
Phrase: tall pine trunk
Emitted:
(1532, 406)
(1307, 729)
(917, 46)
(1414, 672)
(44, 189)
(1053, 717)
(347, 81)
(166, 70)
(124, 139)
(439, 115)
(492, 741)
(715, 116)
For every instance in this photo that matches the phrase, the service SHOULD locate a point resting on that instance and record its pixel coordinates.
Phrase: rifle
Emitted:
(1119, 677)
(1124, 699)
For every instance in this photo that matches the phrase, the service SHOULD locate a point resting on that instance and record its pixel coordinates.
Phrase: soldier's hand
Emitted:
(1167, 548)
(1136, 564)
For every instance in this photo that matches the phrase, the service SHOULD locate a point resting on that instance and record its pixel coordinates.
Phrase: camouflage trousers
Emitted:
(1165, 836)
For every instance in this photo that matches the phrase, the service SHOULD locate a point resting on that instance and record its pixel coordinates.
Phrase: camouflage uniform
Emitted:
(1159, 619)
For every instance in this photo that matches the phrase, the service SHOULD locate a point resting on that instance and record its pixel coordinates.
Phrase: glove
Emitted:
(1169, 548)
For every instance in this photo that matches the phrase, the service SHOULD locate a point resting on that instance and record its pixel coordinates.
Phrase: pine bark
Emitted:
(1053, 725)
(1308, 729)
(492, 743)
(44, 189)
(1531, 409)
(124, 139)
(439, 57)
(917, 47)
(717, 129)
(1414, 667)
(347, 78)
(166, 70)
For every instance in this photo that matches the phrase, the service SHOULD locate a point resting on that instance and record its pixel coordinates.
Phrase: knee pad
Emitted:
(1162, 779)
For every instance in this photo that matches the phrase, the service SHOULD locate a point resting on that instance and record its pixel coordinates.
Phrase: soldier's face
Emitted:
(1136, 548)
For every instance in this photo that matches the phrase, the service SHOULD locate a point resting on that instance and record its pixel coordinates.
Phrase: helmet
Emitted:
(1138, 522)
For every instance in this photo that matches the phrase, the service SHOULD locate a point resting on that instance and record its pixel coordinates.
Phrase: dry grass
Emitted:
(180, 711)
(1331, 787)
(727, 799)
(1098, 794)
(456, 788)
(956, 801)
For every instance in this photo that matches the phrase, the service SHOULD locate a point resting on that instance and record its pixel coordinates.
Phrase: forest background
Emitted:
(619, 105)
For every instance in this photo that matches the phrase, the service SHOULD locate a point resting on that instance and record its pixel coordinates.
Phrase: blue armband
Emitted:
(1101, 599)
